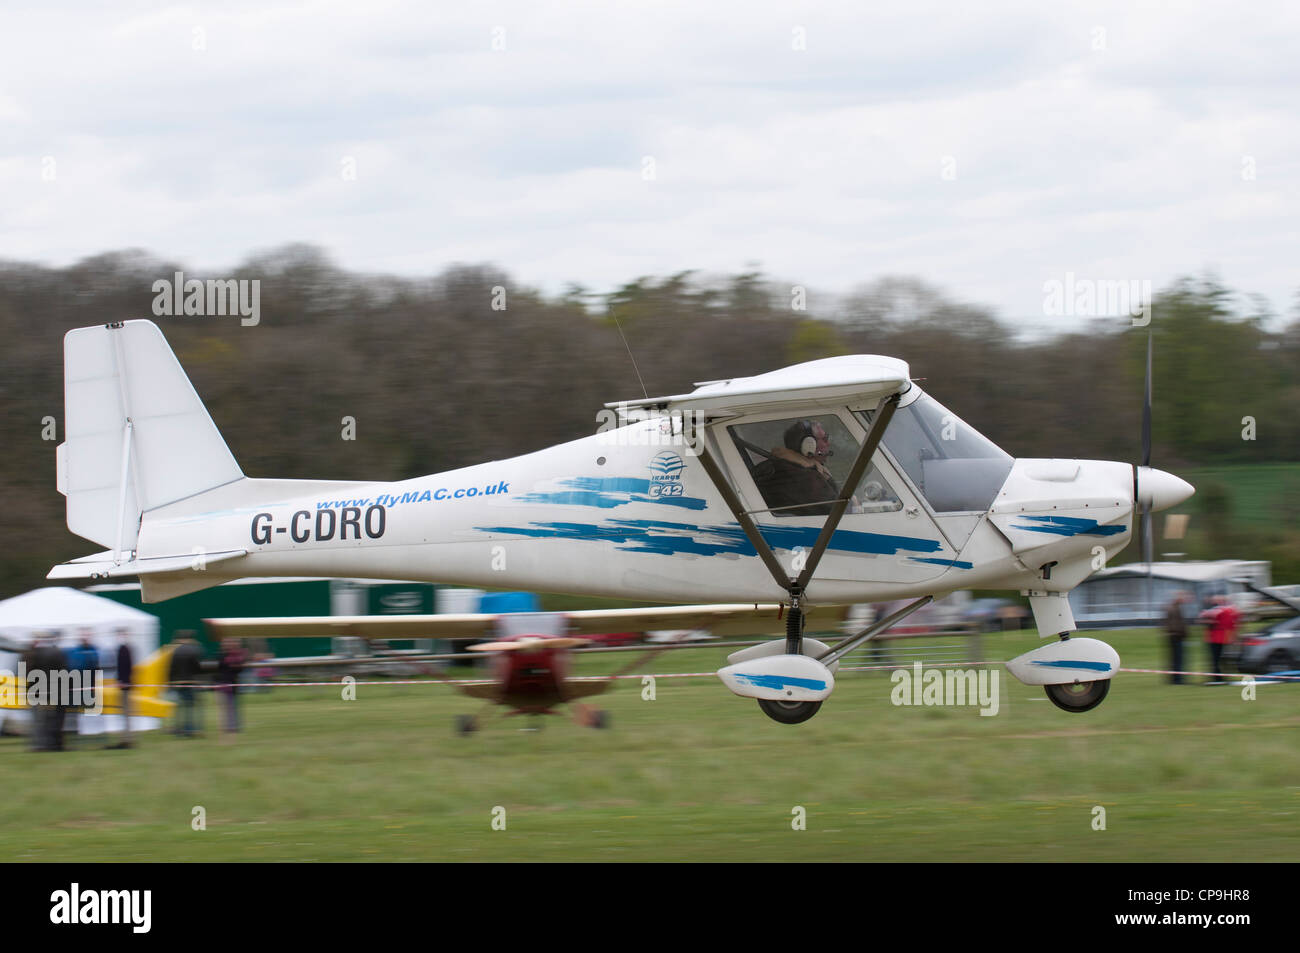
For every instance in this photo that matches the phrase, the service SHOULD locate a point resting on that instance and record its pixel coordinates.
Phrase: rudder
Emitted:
(137, 436)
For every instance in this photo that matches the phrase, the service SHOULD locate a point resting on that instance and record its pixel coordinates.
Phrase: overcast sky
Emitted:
(831, 144)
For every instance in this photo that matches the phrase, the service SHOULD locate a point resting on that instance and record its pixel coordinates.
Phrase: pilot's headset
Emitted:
(802, 439)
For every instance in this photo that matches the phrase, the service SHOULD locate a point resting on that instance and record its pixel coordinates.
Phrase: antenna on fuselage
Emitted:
(630, 355)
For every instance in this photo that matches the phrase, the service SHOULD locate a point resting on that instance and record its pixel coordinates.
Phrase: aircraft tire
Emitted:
(789, 713)
(1079, 696)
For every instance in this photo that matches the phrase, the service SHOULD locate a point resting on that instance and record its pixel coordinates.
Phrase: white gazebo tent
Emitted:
(65, 613)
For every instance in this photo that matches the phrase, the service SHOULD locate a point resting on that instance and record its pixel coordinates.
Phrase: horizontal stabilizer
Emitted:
(102, 566)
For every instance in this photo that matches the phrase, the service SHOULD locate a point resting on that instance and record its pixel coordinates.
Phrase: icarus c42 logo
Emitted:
(666, 475)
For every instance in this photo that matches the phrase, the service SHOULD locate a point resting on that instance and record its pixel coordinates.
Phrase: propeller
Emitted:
(1143, 506)
(1147, 542)
(1152, 489)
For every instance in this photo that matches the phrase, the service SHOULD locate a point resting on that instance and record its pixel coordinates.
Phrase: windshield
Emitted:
(953, 465)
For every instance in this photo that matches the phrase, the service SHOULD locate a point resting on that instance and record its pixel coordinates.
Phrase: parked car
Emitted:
(1271, 650)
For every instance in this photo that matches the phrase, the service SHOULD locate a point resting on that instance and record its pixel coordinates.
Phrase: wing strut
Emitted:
(870, 632)
(796, 585)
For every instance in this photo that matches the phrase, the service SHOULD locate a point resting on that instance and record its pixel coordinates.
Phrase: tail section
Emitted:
(140, 446)
(137, 435)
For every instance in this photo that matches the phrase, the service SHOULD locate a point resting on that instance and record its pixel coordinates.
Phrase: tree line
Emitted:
(468, 365)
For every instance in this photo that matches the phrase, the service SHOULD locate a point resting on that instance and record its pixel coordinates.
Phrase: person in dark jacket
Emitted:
(56, 665)
(83, 658)
(35, 694)
(1176, 632)
(795, 475)
(125, 665)
(183, 676)
(229, 667)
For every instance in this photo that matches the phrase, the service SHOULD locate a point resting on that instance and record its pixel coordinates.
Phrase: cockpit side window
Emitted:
(954, 467)
(799, 465)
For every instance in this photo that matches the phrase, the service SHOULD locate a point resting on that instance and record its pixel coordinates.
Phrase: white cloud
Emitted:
(204, 132)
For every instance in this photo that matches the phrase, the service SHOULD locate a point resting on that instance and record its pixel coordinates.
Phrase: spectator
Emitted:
(34, 693)
(1176, 631)
(125, 667)
(55, 664)
(83, 658)
(186, 665)
(1222, 622)
(45, 665)
(229, 668)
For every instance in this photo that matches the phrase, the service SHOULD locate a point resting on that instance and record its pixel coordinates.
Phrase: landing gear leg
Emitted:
(791, 713)
(468, 724)
(590, 717)
(794, 625)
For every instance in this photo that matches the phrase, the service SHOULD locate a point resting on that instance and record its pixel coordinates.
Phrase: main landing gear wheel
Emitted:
(1079, 696)
(788, 713)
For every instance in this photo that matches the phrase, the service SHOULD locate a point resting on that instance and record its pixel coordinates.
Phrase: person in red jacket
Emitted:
(1222, 621)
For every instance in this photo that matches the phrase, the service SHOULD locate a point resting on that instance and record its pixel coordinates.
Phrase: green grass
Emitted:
(1185, 774)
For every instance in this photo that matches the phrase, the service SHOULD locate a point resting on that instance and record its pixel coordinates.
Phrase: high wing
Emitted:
(856, 378)
(721, 620)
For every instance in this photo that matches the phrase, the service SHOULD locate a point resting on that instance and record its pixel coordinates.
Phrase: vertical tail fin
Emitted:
(136, 434)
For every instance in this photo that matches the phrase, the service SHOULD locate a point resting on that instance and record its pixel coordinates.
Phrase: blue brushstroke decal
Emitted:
(669, 538)
(1069, 526)
(609, 492)
(954, 563)
(1070, 663)
(779, 682)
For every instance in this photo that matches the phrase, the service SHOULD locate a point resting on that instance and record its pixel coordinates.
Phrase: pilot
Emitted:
(796, 473)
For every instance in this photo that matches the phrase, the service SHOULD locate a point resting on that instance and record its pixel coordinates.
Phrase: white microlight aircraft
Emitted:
(831, 482)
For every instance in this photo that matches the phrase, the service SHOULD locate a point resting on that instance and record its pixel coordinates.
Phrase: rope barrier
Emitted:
(1280, 676)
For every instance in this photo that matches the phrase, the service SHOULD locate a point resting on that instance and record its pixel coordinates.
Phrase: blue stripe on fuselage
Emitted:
(668, 538)
(1069, 526)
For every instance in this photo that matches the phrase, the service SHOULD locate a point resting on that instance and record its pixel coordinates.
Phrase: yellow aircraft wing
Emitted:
(146, 701)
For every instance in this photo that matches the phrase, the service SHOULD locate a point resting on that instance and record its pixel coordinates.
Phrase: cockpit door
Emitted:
(787, 468)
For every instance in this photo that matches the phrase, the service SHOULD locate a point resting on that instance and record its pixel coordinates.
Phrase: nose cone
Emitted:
(1161, 490)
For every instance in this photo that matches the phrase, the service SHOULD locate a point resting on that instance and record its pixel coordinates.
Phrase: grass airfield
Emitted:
(1186, 773)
